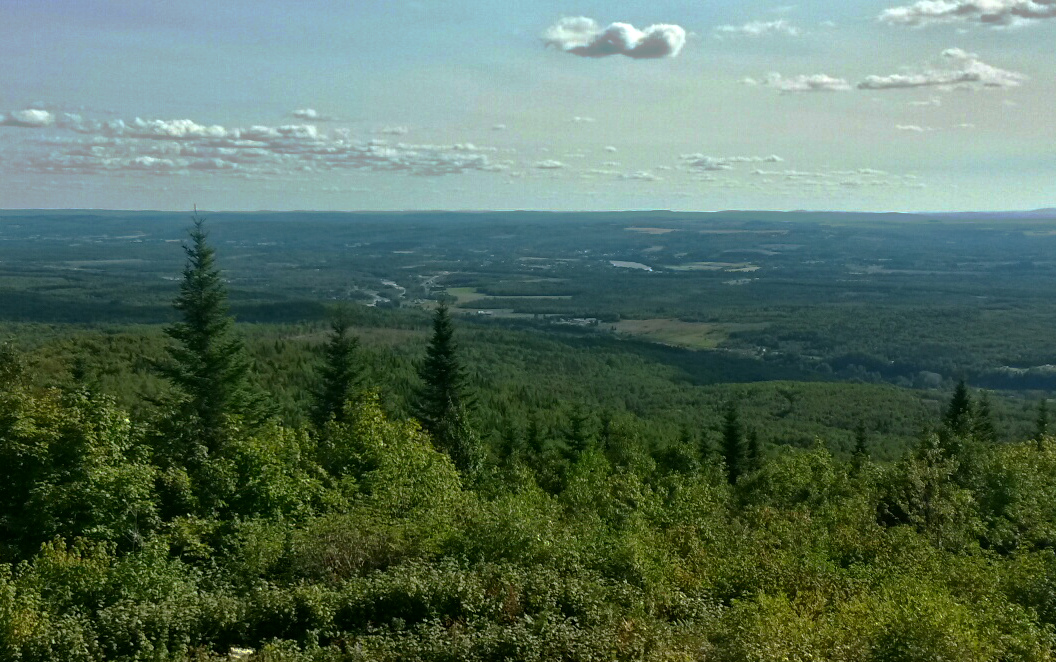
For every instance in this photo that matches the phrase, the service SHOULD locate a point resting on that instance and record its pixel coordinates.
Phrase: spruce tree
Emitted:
(442, 404)
(342, 372)
(577, 435)
(732, 443)
(207, 364)
(958, 418)
(442, 375)
(983, 421)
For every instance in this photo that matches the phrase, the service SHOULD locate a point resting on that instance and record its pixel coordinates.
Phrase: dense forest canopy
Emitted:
(508, 456)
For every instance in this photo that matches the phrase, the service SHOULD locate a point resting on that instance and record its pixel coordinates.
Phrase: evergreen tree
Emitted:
(983, 421)
(732, 444)
(442, 375)
(342, 373)
(207, 365)
(577, 435)
(442, 404)
(958, 418)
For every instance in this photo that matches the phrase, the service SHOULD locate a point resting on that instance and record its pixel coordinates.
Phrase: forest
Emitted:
(503, 461)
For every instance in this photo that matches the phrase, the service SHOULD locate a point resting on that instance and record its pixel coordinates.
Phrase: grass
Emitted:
(691, 335)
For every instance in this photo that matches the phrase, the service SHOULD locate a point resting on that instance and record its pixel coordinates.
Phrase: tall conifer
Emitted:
(442, 404)
(207, 364)
(732, 443)
(342, 373)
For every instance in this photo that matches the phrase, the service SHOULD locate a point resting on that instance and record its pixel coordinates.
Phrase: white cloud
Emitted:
(395, 130)
(177, 129)
(916, 128)
(933, 101)
(1000, 13)
(32, 118)
(641, 175)
(549, 164)
(311, 115)
(715, 163)
(967, 71)
(759, 29)
(610, 149)
(583, 120)
(584, 37)
(498, 127)
(802, 83)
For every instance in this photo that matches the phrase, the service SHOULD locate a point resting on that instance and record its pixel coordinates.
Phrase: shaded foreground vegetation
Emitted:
(360, 540)
(527, 520)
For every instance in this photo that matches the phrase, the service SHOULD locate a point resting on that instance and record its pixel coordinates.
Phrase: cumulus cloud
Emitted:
(964, 69)
(311, 115)
(32, 118)
(611, 149)
(498, 127)
(395, 130)
(802, 83)
(1000, 13)
(585, 37)
(715, 163)
(583, 120)
(759, 29)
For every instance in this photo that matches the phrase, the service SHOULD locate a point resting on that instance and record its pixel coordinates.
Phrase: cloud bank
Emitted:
(184, 146)
(1000, 13)
(583, 36)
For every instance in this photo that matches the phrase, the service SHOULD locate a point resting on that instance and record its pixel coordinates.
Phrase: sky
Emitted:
(886, 105)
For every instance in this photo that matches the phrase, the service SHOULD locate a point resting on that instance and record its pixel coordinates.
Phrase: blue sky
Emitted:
(888, 105)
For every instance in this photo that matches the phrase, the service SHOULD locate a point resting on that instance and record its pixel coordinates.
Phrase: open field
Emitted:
(691, 335)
